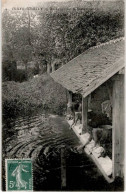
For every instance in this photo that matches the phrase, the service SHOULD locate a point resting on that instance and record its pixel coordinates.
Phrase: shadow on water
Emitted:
(41, 137)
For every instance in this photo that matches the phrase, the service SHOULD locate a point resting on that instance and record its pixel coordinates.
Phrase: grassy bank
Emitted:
(41, 92)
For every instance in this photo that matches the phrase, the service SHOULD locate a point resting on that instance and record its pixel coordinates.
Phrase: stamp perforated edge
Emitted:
(6, 174)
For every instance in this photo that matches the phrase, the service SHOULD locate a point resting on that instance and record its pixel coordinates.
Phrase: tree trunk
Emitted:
(53, 67)
(29, 28)
(48, 68)
(65, 46)
(26, 68)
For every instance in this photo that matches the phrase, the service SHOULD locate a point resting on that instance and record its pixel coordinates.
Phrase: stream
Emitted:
(41, 137)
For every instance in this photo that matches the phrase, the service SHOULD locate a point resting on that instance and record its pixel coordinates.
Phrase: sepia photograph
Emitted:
(63, 109)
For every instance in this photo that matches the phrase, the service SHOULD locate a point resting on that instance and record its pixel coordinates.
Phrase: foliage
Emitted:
(60, 32)
(9, 70)
(21, 76)
(55, 34)
(21, 98)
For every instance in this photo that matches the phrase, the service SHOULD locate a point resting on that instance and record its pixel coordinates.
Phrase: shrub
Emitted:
(21, 98)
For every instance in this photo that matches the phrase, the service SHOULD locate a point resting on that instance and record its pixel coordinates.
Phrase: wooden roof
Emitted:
(92, 68)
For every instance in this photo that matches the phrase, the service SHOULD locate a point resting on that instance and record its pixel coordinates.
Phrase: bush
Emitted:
(21, 75)
(22, 98)
(9, 70)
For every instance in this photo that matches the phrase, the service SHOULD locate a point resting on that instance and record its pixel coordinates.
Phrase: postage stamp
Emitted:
(19, 175)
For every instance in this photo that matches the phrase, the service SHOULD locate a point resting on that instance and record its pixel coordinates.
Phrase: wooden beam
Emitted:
(108, 179)
(118, 127)
(69, 97)
(84, 114)
(89, 100)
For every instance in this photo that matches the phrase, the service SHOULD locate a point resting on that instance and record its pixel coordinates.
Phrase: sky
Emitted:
(23, 3)
(26, 3)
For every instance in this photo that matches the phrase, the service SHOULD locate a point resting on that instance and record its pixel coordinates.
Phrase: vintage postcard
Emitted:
(63, 95)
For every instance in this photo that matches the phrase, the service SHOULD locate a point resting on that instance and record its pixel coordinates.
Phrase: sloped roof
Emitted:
(92, 68)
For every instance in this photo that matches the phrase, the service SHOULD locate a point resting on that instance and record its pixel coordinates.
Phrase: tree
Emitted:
(52, 34)
(17, 34)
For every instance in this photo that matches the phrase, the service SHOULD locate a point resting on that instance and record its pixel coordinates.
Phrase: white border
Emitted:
(47, 193)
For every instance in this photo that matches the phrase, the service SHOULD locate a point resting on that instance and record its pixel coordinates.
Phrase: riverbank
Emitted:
(40, 92)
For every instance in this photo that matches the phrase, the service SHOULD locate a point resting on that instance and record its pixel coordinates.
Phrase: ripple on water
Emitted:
(34, 134)
(41, 139)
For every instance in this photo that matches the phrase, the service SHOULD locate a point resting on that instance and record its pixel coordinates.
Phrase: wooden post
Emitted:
(84, 114)
(69, 101)
(63, 169)
(53, 67)
(70, 97)
(89, 100)
(118, 126)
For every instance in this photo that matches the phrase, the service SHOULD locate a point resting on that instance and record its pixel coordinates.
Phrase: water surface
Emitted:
(41, 137)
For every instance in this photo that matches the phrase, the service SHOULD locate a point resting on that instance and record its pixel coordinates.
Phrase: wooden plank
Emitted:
(108, 179)
(118, 127)
(84, 114)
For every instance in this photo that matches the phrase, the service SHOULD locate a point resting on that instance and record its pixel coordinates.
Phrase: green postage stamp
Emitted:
(19, 175)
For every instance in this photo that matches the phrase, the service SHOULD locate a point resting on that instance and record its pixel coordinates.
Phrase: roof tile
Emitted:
(90, 69)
